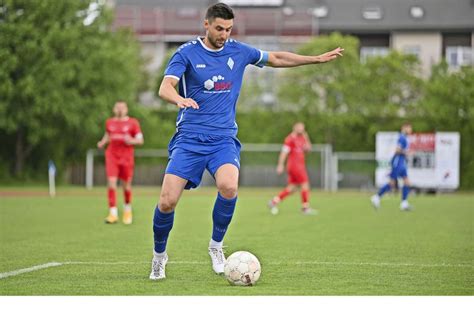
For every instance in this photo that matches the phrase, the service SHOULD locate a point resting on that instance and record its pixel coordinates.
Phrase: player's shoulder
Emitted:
(133, 120)
(236, 44)
(289, 138)
(187, 47)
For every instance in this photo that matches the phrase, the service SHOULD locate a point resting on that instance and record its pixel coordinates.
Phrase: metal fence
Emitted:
(258, 167)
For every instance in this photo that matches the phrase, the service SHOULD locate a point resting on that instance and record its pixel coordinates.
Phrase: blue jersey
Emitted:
(399, 159)
(212, 78)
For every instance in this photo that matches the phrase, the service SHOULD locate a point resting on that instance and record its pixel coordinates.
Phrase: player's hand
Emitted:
(331, 55)
(100, 144)
(128, 140)
(187, 103)
(280, 169)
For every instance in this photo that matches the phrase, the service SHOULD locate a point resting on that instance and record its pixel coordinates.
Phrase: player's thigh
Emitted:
(291, 187)
(111, 167)
(112, 182)
(125, 173)
(171, 191)
(404, 176)
(188, 165)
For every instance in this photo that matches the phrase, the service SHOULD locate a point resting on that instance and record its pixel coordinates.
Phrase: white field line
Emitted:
(30, 269)
(304, 263)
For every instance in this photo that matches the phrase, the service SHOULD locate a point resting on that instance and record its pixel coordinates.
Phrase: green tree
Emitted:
(449, 106)
(383, 86)
(61, 71)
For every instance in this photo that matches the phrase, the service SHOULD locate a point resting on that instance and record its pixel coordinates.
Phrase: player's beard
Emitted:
(215, 42)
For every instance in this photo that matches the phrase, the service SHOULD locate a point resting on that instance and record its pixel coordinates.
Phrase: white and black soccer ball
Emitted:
(242, 268)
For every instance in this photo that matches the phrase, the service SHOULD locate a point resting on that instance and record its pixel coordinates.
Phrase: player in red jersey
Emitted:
(122, 133)
(296, 144)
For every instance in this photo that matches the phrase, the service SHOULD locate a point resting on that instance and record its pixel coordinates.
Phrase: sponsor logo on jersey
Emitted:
(201, 66)
(217, 84)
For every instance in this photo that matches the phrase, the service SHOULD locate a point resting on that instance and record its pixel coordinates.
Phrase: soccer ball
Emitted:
(242, 268)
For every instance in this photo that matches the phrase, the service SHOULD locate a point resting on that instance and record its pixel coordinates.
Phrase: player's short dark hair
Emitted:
(219, 10)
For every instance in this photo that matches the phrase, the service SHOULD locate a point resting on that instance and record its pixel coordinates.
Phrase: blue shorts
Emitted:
(400, 171)
(192, 153)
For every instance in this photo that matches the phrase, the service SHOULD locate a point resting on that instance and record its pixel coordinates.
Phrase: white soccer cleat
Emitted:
(218, 259)
(375, 199)
(158, 265)
(309, 211)
(405, 206)
(273, 208)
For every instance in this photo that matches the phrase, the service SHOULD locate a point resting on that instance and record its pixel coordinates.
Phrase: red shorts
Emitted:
(118, 168)
(297, 176)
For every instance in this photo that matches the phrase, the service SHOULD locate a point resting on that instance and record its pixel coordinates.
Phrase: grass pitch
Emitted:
(348, 249)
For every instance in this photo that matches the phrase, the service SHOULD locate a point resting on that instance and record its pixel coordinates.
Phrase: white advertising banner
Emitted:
(433, 159)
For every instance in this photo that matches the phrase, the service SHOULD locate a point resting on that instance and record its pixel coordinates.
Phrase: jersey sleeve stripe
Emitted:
(171, 76)
(184, 86)
(262, 61)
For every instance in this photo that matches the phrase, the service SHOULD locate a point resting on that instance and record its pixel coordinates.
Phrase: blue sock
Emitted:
(162, 224)
(384, 189)
(221, 216)
(405, 191)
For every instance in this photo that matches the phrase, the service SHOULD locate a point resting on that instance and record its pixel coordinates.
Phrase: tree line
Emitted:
(62, 69)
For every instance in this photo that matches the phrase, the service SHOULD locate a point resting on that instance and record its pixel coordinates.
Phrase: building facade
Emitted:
(433, 30)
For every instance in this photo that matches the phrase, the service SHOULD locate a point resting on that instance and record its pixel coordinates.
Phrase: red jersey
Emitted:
(296, 145)
(117, 131)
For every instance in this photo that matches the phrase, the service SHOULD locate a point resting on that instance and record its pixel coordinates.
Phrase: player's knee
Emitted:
(167, 203)
(167, 206)
(228, 191)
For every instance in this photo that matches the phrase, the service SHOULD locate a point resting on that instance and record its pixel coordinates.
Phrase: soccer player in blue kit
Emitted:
(399, 169)
(209, 71)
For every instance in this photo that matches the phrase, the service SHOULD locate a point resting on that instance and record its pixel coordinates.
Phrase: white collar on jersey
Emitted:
(210, 50)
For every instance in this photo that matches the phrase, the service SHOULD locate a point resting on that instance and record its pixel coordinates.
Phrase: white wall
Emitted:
(428, 43)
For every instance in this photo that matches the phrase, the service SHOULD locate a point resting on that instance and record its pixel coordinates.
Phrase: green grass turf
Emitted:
(348, 249)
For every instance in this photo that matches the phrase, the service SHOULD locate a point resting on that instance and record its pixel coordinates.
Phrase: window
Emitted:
(373, 51)
(372, 13)
(457, 56)
(413, 50)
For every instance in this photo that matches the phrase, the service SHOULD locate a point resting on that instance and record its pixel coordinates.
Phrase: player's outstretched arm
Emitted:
(168, 93)
(288, 59)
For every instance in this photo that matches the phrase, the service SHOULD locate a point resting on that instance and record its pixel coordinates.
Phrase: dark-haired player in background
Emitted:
(122, 133)
(296, 144)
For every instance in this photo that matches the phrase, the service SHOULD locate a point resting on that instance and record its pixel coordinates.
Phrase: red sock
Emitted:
(283, 194)
(128, 196)
(305, 196)
(112, 199)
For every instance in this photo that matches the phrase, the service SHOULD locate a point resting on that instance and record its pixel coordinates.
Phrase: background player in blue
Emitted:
(399, 169)
(209, 71)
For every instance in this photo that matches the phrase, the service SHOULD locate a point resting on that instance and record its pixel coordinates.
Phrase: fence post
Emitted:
(327, 167)
(90, 169)
(334, 172)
